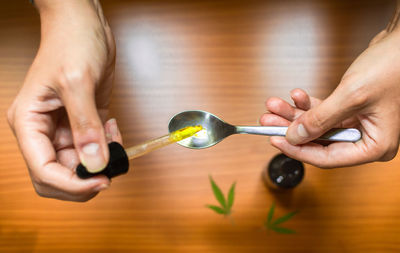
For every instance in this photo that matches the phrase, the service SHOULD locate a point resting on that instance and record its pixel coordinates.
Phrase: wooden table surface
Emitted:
(226, 57)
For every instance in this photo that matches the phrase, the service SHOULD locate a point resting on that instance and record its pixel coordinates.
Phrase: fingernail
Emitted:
(298, 136)
(276, 140)
(92, 158)
(108, 136)
(301, 131)
(102, 187)
(113, 127)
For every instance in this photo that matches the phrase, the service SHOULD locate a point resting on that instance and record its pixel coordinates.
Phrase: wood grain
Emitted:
(226, 57)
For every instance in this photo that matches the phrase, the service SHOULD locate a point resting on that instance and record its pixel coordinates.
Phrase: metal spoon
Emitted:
(215, 130)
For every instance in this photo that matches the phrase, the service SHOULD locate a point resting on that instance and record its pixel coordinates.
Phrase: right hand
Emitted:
(368, 97)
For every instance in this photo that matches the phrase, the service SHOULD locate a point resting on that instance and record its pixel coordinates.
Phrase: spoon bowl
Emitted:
(214, 129)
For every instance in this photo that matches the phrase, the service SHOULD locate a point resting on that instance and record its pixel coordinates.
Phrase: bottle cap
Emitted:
(285, 172)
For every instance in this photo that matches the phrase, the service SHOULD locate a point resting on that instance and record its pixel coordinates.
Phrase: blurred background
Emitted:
(225, 57)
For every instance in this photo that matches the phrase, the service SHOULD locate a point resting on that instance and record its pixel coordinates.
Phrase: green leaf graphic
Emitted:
(270, 214)
(218, 193)
(282, 230)
(217, 209)
(231, 196)
(272, 225)
(284, 218)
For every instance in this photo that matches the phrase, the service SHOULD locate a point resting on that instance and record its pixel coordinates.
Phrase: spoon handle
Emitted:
(336, 134)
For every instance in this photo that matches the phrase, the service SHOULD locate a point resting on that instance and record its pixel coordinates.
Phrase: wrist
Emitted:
(70, 13)
(50, 7)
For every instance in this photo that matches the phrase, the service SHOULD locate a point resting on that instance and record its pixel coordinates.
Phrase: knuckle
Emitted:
(72, 79)
(10, 115)
(272, 103)
(349, 79)
(358, 99)
(357, 94)
(44, 188)
(39, 189)
(44, 191)
(86, 126)
(315, 122)
(37, 180)
(375, 154)
(383, 150)
(388, 156)
(39, 177)
(389, 152)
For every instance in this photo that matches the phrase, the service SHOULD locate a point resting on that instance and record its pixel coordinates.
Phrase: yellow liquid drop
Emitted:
(184, 133)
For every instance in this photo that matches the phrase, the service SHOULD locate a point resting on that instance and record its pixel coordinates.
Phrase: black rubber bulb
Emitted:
(118, 164)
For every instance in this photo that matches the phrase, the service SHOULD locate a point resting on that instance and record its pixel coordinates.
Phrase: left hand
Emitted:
(59, 115)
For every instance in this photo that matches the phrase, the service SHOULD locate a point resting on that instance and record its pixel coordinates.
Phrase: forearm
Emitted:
(53, 6)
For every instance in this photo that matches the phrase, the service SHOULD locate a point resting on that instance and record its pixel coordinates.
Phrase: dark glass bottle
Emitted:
(283, 172)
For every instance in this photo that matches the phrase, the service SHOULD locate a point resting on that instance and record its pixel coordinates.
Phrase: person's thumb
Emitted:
(318, 120)
(87, 128)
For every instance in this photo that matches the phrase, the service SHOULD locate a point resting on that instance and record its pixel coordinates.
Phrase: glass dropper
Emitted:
(119, 157)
